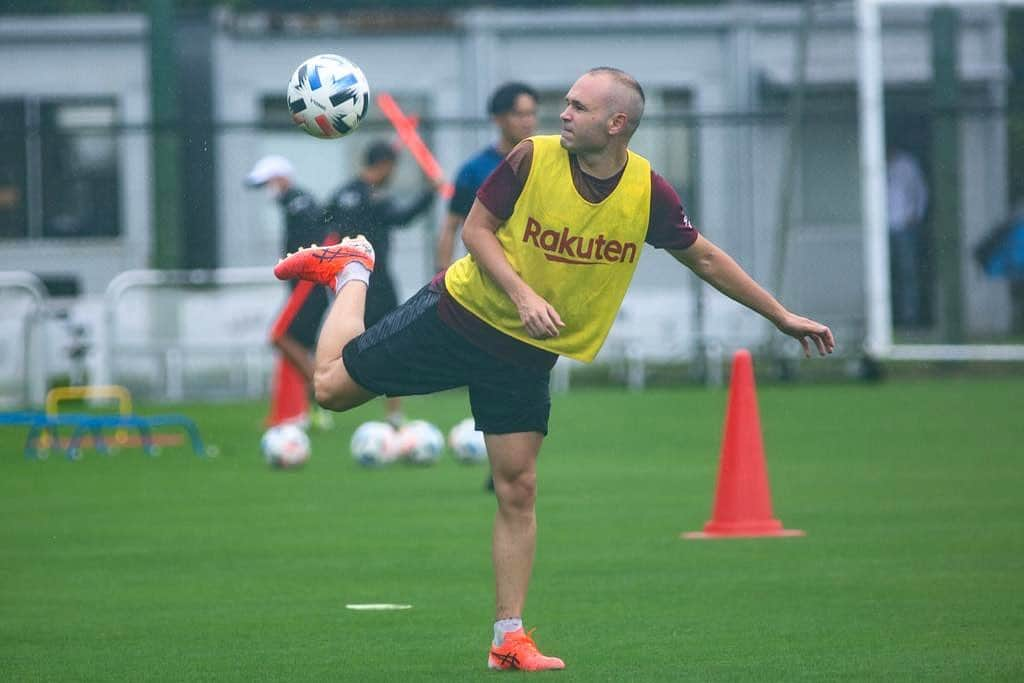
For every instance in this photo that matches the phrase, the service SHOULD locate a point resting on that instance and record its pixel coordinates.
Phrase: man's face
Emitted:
(519, 123)
(585, 117)
(277, 186)
(380, 173)
(387, 170)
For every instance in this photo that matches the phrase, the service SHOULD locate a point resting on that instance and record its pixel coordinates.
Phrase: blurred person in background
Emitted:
(513, 109)
(364, 206)
(907, 201)
(294, 331)
(554, 238)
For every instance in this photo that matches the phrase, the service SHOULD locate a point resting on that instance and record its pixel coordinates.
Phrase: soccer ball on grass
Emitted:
(374, 444)
(420, 442)
(285, 446)
(467, 443)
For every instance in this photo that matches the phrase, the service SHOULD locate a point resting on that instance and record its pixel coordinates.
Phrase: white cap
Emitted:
(272, 166)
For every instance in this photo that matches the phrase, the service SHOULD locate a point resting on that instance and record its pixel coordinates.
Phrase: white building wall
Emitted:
(721, 55)
(85, 56)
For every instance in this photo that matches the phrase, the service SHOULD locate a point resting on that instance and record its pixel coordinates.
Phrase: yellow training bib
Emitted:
(579, 256)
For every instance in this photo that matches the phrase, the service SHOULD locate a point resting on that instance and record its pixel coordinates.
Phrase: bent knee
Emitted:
(325, 398)
(333, 389)
(330, 395)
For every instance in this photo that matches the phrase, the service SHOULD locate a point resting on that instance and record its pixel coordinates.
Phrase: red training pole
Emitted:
(406, 129)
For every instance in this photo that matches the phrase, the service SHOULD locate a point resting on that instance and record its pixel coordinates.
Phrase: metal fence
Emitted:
(779, 189)
(23, 373)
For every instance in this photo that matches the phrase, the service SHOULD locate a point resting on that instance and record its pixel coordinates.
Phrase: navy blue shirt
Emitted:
(471, 176)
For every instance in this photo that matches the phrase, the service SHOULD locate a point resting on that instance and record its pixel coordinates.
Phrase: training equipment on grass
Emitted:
(90, 429)
(420, 442)
(467, 443)
(57, 395)
(285, 446)
(743, 501)
(376, 606)
(374, 443)
(328, 96)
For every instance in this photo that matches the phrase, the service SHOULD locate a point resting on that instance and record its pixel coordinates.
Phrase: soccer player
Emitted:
(553, 239)
(364, 206)
(513, 109)
(294, 332)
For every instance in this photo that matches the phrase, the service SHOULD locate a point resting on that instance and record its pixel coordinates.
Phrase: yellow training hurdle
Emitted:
(110, 391)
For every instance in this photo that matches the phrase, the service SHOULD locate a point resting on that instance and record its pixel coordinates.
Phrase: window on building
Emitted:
(59, 171)
(675, 134)
(828, 174)
(13, 205)
(549, 108)
(829, 156)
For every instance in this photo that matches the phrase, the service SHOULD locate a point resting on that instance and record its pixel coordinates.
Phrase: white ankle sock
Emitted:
(354, 271)
(503, 626)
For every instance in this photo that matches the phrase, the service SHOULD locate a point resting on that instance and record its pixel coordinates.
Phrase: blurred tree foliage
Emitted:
(1014, 30)
(76, 6)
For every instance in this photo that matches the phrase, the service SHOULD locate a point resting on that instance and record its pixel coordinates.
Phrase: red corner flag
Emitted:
(743, 501)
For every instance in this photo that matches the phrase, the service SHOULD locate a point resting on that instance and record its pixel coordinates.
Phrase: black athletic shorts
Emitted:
(381, 299)
(411, 351)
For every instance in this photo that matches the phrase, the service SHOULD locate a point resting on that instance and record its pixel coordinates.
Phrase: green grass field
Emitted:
(127, 568)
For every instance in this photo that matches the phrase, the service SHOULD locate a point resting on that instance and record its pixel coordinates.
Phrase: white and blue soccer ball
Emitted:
(467, 443)
(285, 446)
(328, 96)
(420, 442)
(374, 444)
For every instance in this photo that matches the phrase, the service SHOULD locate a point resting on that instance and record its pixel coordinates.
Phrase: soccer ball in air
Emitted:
(373, 444)
(285, 446)
(328, 96)
(420, 442)
(467, 443)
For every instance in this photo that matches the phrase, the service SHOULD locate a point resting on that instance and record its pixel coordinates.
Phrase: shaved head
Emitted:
(625, 95)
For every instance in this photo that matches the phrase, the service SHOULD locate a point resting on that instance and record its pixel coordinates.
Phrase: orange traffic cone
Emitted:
(743, 502)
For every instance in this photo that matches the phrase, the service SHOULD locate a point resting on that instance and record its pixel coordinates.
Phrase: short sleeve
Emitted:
(669, 226)
(501, 190)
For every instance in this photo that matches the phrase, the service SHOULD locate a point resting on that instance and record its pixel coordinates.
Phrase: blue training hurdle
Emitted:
(83, 425)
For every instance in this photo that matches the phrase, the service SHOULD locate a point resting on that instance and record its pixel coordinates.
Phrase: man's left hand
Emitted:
(804, 329)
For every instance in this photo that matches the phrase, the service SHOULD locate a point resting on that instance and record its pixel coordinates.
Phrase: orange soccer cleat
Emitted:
(518, 651)
(321, 265)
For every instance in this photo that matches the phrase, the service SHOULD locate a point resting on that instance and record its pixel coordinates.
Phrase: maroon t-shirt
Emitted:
(668, 228)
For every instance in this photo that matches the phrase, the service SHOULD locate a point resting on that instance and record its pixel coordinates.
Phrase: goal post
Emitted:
(879, 342)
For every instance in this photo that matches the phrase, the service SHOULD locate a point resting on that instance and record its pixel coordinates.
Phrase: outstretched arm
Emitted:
(717, 268)
(539, 317)
(399, 215)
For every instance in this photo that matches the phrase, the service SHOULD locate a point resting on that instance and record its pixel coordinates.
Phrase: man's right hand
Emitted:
(540, 318)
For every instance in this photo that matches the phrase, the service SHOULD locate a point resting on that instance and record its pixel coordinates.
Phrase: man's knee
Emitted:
(516, 490)
(333, 389)
(325, 394)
